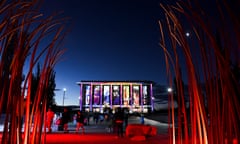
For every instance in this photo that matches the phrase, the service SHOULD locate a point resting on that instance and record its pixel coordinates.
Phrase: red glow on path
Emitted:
(100, 139)
(69, 138)
(72, 138)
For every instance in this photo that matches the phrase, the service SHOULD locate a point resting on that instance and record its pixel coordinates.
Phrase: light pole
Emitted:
(64, 91)
(169, 90)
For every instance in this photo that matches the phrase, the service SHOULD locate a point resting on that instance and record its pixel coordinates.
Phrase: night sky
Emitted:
(109, 40)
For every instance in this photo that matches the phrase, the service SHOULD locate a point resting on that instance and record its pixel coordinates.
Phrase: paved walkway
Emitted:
(103, 127)
(99, 138)
(99, 134)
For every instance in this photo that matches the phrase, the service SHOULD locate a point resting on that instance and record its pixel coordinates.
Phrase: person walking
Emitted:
(80, 122)
(88, 118)
(49, 119)
(142, 119)
(96, 117)
(126, 119)
(65, 119)
(119, 117)
(111, 122)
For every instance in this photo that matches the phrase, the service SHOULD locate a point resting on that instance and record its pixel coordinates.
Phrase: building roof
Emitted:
(115, 81)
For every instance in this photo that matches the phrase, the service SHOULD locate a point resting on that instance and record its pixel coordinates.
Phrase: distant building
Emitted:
(97, 96)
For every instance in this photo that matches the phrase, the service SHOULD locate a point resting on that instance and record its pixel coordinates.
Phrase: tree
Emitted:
(22, 31)
(49, 90)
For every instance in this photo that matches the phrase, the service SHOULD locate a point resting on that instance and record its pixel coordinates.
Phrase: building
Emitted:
(97, 96)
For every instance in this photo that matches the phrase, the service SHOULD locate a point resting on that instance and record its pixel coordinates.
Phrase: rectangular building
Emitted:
(136, 96)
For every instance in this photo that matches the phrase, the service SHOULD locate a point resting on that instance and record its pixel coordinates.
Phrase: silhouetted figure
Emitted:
(49, 119)
(65, 119)
(126, 119)
(119, 117)
(80, 122)
(88, 118)
(111, 122)
(142, 118)
(96, 117)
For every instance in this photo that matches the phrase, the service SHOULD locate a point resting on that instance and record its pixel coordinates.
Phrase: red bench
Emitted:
(140, 130)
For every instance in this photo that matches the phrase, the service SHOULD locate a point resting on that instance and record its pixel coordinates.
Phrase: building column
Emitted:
(91, 95)
(81, 97)
(111, 96)
(141, 97)
(121, 96)
(151, 97)
(101, 98)
(131, 97)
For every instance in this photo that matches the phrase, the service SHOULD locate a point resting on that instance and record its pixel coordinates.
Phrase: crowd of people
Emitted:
(116, 121)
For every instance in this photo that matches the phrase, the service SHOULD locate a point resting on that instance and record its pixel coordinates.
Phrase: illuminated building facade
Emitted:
(136, 96)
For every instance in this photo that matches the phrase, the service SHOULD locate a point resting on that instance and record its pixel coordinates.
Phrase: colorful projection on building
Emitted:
(96, 95)
(146, 92)
(126, 95)
(87, 95)
(106, 95)
(135, 96)
(116, 95)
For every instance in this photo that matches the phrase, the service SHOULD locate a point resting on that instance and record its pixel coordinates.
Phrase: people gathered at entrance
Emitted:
(78, 121)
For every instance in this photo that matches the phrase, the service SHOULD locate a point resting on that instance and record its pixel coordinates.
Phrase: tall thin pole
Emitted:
(64, 91)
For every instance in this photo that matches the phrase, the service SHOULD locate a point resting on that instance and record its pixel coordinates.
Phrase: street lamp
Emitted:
(169, 90)
(64, 91)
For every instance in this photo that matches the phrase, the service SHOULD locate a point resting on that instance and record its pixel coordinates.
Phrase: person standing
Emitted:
(80, 122)
(126, 118)
(49, 119)
(88, 118)
(142, 118)
(119, 117)
(95, 117)
(65, 119)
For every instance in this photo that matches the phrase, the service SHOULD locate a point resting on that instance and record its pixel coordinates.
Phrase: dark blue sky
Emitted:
(109, 40)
